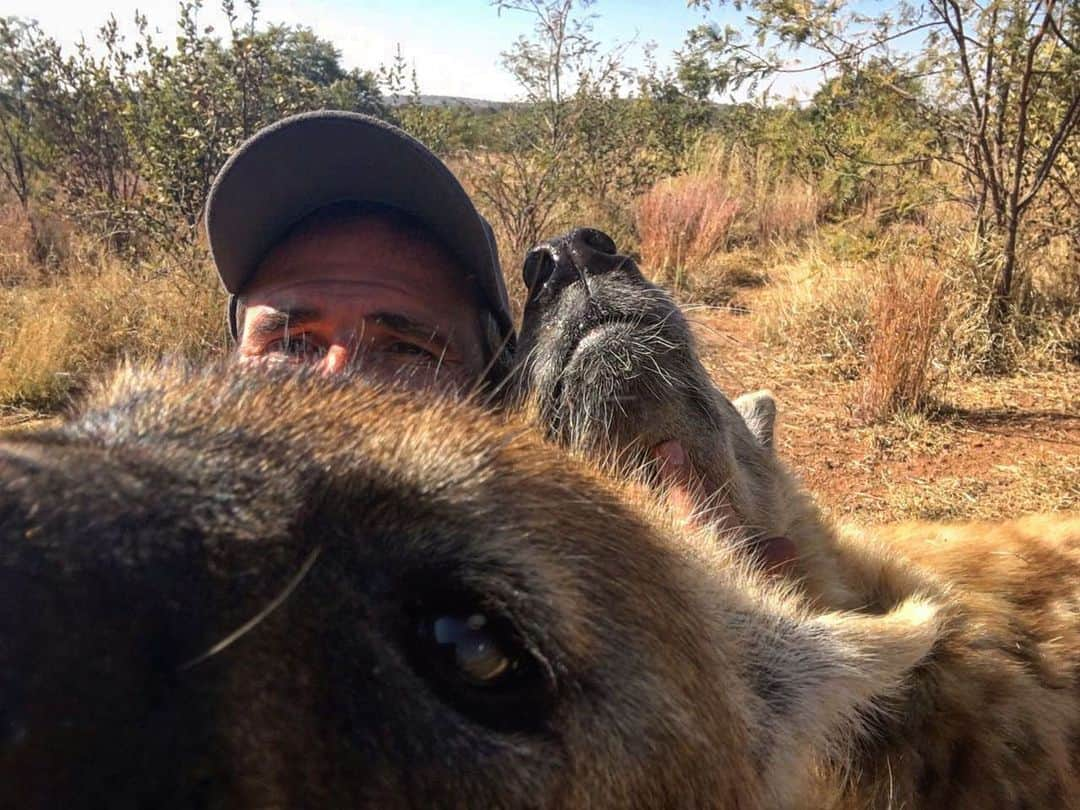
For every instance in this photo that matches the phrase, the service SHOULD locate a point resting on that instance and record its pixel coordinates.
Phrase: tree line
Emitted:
(973, 101)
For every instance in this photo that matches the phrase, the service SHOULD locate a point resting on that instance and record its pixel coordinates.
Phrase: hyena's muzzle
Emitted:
(605, 355)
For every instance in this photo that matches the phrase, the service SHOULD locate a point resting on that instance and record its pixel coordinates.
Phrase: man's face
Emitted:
(369, 290)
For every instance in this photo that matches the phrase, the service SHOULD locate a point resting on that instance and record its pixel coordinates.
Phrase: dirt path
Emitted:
(1003, 446)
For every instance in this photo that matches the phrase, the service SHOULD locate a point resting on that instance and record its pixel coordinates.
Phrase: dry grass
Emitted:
(80, 320)
(699, 232)
(902, 309)
(787, 211)
(729, 197)
(774, 205)
(992, 447)
(818, 309)
(683, 222)
(906, 312)
(1003, 491)
(906, 317)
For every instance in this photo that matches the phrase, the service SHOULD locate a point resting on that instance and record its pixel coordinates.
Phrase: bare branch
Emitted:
(1070, 122)
(1056, 28)
(990, 166)
(1022, 113)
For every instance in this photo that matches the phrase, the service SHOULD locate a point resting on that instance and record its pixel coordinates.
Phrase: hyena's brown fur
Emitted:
(991, 715)
(210, 585)
(178, 506)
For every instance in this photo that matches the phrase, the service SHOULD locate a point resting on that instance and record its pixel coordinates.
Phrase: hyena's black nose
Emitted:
(549, 264)
(557, 262)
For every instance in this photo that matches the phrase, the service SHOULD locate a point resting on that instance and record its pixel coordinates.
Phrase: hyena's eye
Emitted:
(476, 661)
(475, 651)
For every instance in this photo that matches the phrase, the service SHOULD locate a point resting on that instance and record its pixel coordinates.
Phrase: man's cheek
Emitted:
(263, 360)
(414, 374)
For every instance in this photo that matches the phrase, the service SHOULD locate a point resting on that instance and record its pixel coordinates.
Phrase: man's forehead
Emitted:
(367, 251)
(324, 297)
(301, 290)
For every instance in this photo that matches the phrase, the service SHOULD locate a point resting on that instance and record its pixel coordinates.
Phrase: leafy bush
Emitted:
(126, 140)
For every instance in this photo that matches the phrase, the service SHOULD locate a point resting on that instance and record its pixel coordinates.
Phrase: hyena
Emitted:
(242, 589)
(608, 366)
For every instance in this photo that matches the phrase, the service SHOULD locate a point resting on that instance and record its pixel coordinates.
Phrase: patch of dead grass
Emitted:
(906, 317)
(75, 324)
(729, 198)
(818, 308)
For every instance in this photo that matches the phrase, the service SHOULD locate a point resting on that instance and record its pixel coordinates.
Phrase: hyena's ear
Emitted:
(758, 410)
(825, 680)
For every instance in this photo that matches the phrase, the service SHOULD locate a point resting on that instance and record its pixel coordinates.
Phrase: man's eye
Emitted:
(297, 347)
(404, 347)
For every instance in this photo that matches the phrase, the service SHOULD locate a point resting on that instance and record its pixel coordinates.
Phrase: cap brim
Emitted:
(308, 161)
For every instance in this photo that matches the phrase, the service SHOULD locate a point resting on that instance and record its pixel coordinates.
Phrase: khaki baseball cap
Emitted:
(302, 163)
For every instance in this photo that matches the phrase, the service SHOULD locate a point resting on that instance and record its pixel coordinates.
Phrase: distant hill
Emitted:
(487, 105)
(474, 104)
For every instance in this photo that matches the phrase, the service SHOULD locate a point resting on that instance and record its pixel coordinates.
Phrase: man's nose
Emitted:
(338, 357)
(558, 262)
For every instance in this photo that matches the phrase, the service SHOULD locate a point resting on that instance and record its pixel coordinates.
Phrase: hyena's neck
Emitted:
(754, 500)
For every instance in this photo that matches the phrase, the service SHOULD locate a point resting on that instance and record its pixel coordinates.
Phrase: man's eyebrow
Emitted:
(270, 323)
(406, 326)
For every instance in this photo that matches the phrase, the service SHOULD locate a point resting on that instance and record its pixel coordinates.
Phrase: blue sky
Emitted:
(454, 45)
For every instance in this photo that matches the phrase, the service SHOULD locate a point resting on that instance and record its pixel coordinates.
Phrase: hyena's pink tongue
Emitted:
(691, 500)
(684, 489)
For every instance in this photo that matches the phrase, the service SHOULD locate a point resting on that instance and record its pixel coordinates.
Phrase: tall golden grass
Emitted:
(684, 222)
(884, 320)
(901, 315)
(858, 299)
(906, 318)
(818, 309)
(64, 323)
(727, 197)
